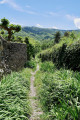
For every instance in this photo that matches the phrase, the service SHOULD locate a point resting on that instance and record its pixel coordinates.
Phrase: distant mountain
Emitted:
(40, 33)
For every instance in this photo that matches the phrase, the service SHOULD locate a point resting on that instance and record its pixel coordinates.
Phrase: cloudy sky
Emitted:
(61, 14)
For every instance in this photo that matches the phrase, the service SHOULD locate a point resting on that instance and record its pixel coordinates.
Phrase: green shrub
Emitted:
(47, 67)
(72, 56)
(46, 55)
(58, 56)
(30, 49)
(14, 101)
(30, 64)
(63, 55)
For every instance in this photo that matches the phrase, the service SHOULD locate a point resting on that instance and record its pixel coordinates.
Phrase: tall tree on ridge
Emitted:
(57, 37)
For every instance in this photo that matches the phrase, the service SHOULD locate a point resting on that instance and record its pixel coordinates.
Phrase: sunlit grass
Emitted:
(59, 93)
(14, 101)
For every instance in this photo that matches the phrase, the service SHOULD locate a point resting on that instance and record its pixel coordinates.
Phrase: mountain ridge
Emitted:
(41, 33)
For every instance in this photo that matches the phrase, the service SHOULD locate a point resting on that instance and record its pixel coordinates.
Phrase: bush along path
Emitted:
(36, 110)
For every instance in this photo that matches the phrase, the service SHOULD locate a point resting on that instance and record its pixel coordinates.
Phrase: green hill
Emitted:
(39, 33)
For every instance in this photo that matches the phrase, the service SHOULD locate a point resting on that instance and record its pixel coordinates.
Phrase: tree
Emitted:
(11, 29)
(2, 32)
(72, 35)
(57, 37)
(19, 39)
(26, 40)
(66, 34)
(30, 49)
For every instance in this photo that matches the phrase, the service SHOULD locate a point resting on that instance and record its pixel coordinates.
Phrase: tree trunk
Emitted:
(9, 35)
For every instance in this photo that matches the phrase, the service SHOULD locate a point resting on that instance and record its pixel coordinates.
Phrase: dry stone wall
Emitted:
(12, 56)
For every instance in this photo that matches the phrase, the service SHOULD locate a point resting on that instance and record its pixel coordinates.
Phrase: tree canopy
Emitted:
(30, 49)
(11, 28)
(57, 37)
(66, 34)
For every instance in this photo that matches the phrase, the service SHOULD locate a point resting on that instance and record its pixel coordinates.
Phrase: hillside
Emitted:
(39, 33)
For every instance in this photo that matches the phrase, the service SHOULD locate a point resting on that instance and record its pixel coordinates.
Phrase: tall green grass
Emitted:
(59, 93)
(14, 101)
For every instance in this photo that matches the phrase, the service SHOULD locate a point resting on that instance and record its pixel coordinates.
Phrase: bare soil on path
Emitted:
(36, 110)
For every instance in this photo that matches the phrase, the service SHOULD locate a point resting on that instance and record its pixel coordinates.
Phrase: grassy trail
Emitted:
(36, 110)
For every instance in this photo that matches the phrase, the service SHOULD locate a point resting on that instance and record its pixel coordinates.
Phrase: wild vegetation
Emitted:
(58, 92)
(65, 53)
(14, 96)
(57, 82)
(57, 86)
(11, 29)
(42, 34)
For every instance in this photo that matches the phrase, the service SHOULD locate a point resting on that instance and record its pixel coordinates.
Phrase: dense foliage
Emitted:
(59, 92)
(11, 29)
(57, 37)
(46, 44)
(30, 64)
(67, 34)
(66, 53)
(30, 49)
(14, 99)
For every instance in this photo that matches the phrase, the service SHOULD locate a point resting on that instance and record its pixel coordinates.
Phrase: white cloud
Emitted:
(38, 25)
(77, 22)
(16, 7)
(12, 4)
(3, 1)
(75, 19)
(54, 27)
(70, 17)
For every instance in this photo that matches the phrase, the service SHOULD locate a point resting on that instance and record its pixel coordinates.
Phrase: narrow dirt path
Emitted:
(36, 110)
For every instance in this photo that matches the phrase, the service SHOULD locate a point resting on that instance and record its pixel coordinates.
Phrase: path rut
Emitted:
(36, 110)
